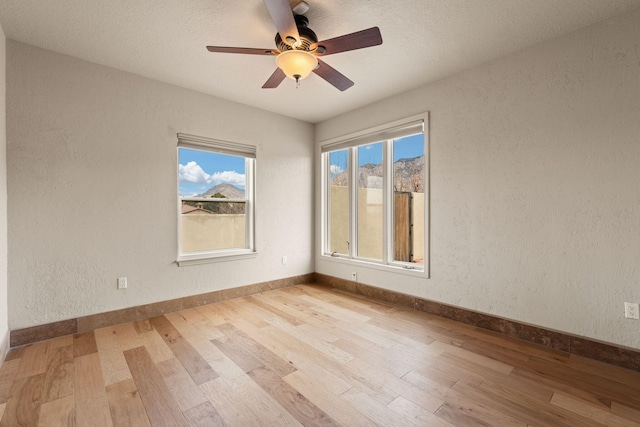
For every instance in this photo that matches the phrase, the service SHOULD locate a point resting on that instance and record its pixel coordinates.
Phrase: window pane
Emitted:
(205, 224)
(370, 207)
(408, 199)
(338, 195)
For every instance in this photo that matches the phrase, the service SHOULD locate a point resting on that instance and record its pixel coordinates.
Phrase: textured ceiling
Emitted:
(424, 40)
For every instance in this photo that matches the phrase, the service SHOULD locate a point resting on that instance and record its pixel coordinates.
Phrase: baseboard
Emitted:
(605, 352)
(47, 331)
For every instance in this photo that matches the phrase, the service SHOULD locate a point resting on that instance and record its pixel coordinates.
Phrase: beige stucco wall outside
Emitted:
(212, 231)
(534, 202)
(370, 222)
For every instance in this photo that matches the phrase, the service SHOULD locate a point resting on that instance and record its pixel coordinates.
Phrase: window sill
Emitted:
(210, 257)
(393, 268)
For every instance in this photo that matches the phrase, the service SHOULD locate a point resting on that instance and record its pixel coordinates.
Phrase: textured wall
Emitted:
(92, 188)
(3, 203)
(535, 184)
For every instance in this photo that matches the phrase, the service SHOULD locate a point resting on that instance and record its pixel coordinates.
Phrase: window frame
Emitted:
(385, 133)
(249, 152)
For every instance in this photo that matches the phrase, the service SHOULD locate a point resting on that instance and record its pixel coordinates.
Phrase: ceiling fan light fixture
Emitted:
(296, 64)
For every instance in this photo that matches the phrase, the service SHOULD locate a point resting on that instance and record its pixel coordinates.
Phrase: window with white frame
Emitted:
(375, 195)
(215, 199)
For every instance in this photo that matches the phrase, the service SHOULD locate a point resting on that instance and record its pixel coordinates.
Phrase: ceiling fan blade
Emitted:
(358, 40)
(282, 16)
(245, 50)
(333, 76)
(274, 81)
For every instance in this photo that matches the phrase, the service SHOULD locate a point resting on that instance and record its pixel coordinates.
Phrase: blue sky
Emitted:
(200, 170)
(403, 148)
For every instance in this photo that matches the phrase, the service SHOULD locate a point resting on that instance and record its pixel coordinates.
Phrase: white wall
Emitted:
(535, 184)
(4, 328)
(92, 188)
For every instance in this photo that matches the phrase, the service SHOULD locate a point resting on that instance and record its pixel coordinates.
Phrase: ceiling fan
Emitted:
(298, 49)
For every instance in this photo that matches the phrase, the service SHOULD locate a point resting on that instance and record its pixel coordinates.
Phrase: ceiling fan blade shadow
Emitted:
(358, 40)
(274, 81)
(282, 16)
(333, 76)
(244, 50)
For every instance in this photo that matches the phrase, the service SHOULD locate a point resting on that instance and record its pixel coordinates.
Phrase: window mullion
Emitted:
(387, 200)
(353, 202)
(250, 208)
(326, 197)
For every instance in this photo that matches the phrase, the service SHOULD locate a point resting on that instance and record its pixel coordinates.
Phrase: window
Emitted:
(374, 204)
(215, 199)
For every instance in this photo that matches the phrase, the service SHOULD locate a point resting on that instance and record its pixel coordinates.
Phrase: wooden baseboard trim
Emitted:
(604, 352)
(20, 337)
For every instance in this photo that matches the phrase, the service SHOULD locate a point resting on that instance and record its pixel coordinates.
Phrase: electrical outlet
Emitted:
(122, 283)
(354, 276)
(631, 311)
(284, 259)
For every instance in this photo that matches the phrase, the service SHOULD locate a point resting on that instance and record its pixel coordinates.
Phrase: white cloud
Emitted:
(335, 169)
(193, 172)
(228, 177)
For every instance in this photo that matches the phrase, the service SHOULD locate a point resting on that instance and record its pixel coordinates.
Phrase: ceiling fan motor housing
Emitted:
(307, 36)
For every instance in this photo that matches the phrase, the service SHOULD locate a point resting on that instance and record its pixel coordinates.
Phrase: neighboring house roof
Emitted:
(188, 209)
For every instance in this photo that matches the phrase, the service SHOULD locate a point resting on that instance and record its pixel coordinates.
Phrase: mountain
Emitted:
(408, 175)
(227, 190)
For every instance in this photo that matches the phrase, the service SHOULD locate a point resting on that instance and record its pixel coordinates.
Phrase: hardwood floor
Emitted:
(307, 355)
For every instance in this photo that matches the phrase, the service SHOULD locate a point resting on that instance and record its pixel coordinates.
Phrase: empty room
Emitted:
(300, 213)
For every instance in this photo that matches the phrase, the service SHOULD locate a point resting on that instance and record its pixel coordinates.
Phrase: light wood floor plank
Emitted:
(196, 338)
(380, 414)
(212, 313)
(114, 365)
(238, 354)
(161, 407)
(183, 388)
(23, 406)
(192, 361)
(8, 373)
(385, 382)
(330, 403)
(84, 344)
(59, 376)
(92, 405)
(34, 360)
(293, 401)
(202, 323)
(583, 408)
(127, 336)
(125, 405)
(60, 412)
(232, 409)
(266, 356)
(266, 305)
(625, 411)
(204, 415)
(374, 357)
(416, 413)
(326, 348)
(307, 355)
(270, 412)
